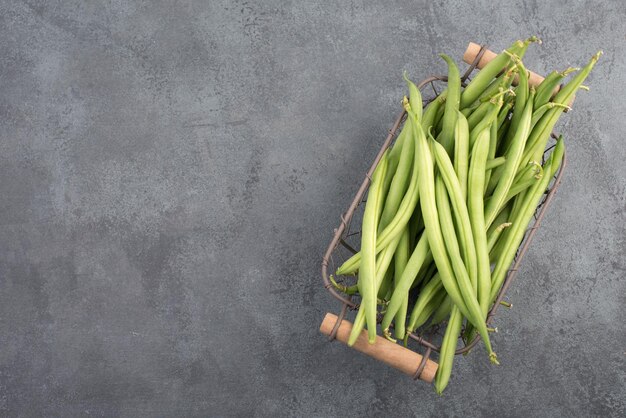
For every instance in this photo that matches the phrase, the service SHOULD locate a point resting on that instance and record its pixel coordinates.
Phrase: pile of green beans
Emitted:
(449, 203)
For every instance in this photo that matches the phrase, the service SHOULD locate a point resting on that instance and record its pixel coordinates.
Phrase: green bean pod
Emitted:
(427, 294)
(393, 229)
(399, 183)
(494, 162)
(504, 113)
(479, 114)
(521, 97)
(429, 118)
(451, 105)
(546, 89)
(443, 311)
(493, 145)
(383, 262)
(448, 349)
(476, 212)
(490, 117)
(415, 97)
(367, 270)
(461, 214)
(401, 259)
(461, 152)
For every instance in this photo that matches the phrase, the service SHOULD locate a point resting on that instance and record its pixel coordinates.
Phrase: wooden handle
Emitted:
(472, 51)
(394, 355)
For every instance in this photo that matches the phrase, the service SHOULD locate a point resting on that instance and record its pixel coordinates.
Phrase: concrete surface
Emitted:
(170, 175)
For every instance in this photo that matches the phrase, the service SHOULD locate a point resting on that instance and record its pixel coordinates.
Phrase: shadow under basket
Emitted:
(416, 359)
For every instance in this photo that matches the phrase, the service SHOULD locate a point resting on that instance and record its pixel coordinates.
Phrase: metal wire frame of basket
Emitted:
(345, 238)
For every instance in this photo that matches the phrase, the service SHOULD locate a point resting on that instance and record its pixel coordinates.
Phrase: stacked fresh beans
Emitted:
(449, 203)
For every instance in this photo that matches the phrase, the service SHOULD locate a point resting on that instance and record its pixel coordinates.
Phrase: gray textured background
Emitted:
(171, 174)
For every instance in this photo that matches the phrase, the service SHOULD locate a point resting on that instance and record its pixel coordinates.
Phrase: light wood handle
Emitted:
(472, 51)
(392, 354)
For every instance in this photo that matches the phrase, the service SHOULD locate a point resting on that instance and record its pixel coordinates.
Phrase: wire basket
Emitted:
(346, 238)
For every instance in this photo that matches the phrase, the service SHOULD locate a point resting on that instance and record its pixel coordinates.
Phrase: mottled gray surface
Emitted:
(170, 176)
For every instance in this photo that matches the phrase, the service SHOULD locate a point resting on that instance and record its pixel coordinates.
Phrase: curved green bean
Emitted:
(448, 348)
(451, 106)
(461, 213)
(443, 311)
(401, 259)
(427, 294)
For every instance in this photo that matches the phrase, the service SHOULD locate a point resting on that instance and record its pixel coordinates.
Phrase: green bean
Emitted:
(443, 310)
(447, 229)
(421, 254)
(415, 97)
(476, 212)
(502, 132)
(468, 292)
(493, 238)
(393, 229)
(470, 109)
(506, 175)
(461, 214)
(521, 97)
(396, 151)
(367, 270)
(504, 113)
(426, 273)
(386, 284)
(401, 259)
(429, 118)
(382, 263)
(490, 117)
(537, 114)
(557, 154)
(493, 145)
(448, 349)
(515, 233)
(547, 88)
(479, 114)
(414, 228)
(461, 152)
(524, 180)
(348, 290)
(451, 105)
(426, 295)
(492, 232)
(399, 184)
(485, 75)
(504, 80)
(494, 162)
